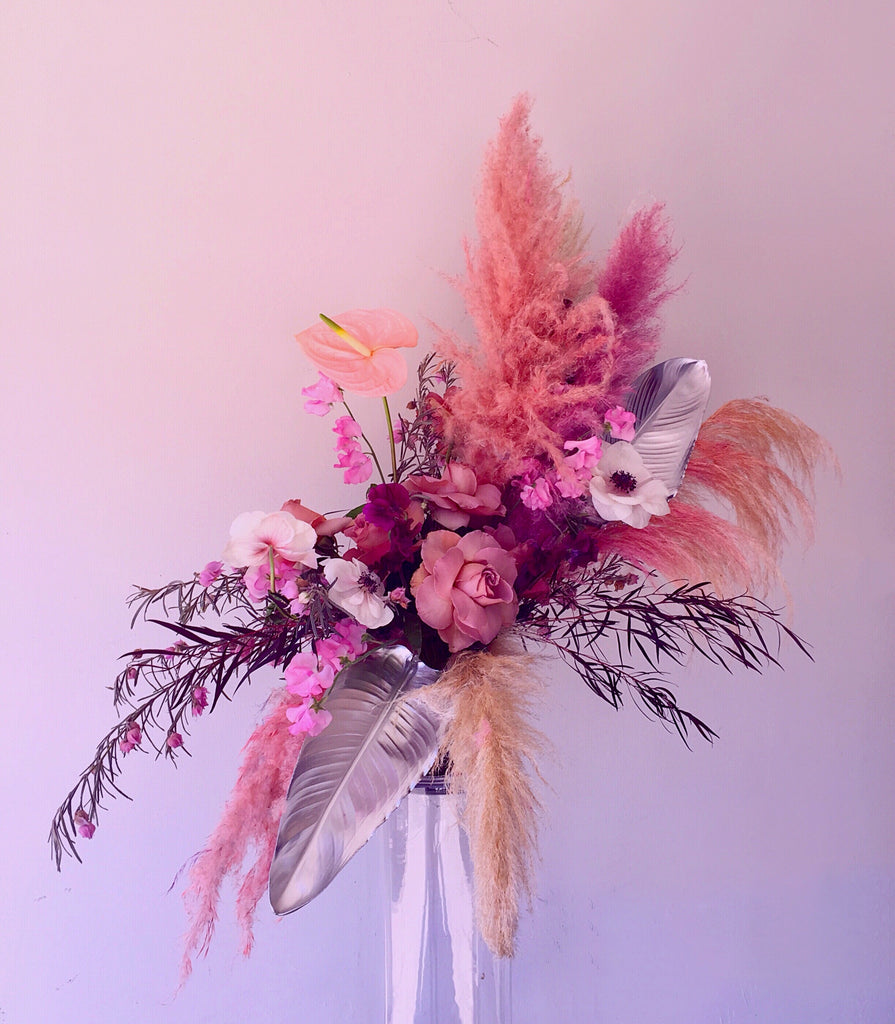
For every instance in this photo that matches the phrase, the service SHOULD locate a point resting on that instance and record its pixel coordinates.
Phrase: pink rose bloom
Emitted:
(457, 496)
(254, 535)
(371, 542)
(464, 588)
(174, 740)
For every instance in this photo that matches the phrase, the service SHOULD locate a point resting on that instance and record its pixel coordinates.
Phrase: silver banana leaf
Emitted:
(350, 777)
(669, 401)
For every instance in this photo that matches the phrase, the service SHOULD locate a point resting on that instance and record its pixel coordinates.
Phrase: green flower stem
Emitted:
(391, 438)
(370, 447)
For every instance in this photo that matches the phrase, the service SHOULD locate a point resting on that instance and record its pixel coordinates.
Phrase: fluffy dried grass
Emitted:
(492, 746)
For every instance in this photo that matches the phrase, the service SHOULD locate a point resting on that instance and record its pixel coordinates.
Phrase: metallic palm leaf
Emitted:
(351, 776)
(669, 401)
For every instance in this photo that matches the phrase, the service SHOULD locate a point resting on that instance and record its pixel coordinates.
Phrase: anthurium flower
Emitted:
(357, 349)
(254, 535)
(623, 489)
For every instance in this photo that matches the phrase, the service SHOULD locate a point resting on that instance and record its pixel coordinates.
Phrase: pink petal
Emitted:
(381, 331)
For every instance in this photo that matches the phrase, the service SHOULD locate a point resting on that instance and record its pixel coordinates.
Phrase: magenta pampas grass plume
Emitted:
(554, 352)
(691, 543)
(634, 281)
(251, 818)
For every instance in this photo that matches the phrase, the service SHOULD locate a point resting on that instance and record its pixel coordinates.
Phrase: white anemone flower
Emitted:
(623, 489)
(358, 591)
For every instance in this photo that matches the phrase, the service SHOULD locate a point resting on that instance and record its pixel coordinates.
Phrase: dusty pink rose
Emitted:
(464, 588)
(457, 496)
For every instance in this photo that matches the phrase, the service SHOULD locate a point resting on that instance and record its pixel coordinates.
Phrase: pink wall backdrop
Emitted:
(185, 185)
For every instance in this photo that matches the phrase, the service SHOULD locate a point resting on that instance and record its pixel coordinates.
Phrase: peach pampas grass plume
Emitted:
(559, 341)
(251, 818)
(492, 745)
(760, 463)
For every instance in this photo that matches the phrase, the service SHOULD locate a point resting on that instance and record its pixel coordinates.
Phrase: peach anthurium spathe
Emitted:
(357, 349)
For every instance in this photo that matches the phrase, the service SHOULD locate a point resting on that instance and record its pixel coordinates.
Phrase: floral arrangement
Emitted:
(546, 490)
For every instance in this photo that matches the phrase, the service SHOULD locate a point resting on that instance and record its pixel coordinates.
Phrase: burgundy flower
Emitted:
(371, 543)
(457, 496)
(464, 588)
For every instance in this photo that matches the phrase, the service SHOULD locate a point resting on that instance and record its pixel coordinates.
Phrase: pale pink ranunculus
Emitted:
(357, 349)
(254, 535)
(464, 588)
(457, 496)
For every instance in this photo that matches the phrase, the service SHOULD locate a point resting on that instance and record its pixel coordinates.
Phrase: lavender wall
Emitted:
(182, 187)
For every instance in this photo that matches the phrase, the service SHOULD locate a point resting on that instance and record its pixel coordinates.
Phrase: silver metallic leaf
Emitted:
(350, 777)
(669, 401)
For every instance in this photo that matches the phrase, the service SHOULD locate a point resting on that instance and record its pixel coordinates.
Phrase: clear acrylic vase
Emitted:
(438, 968)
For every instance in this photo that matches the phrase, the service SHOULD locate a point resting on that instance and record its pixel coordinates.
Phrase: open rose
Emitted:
(464, 588)
(456, 496)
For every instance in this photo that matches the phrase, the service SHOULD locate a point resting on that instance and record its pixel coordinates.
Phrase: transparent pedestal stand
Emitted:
(438, 968)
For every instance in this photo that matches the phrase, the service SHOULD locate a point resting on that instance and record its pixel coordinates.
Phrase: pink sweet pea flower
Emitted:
(210, 573)
(321, 396)
(254, 535)
(346, 644)
(620, 423)
(537, 497)
(174, 740)
(305, 678)
(357, 349)
(586, 456)
(464, 588)
(308, 720)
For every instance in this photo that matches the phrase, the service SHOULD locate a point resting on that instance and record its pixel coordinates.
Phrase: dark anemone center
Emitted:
(623, 482)
(369, 582)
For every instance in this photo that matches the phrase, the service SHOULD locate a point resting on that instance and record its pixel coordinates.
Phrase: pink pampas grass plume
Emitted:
(554, 353)
(251, 818)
